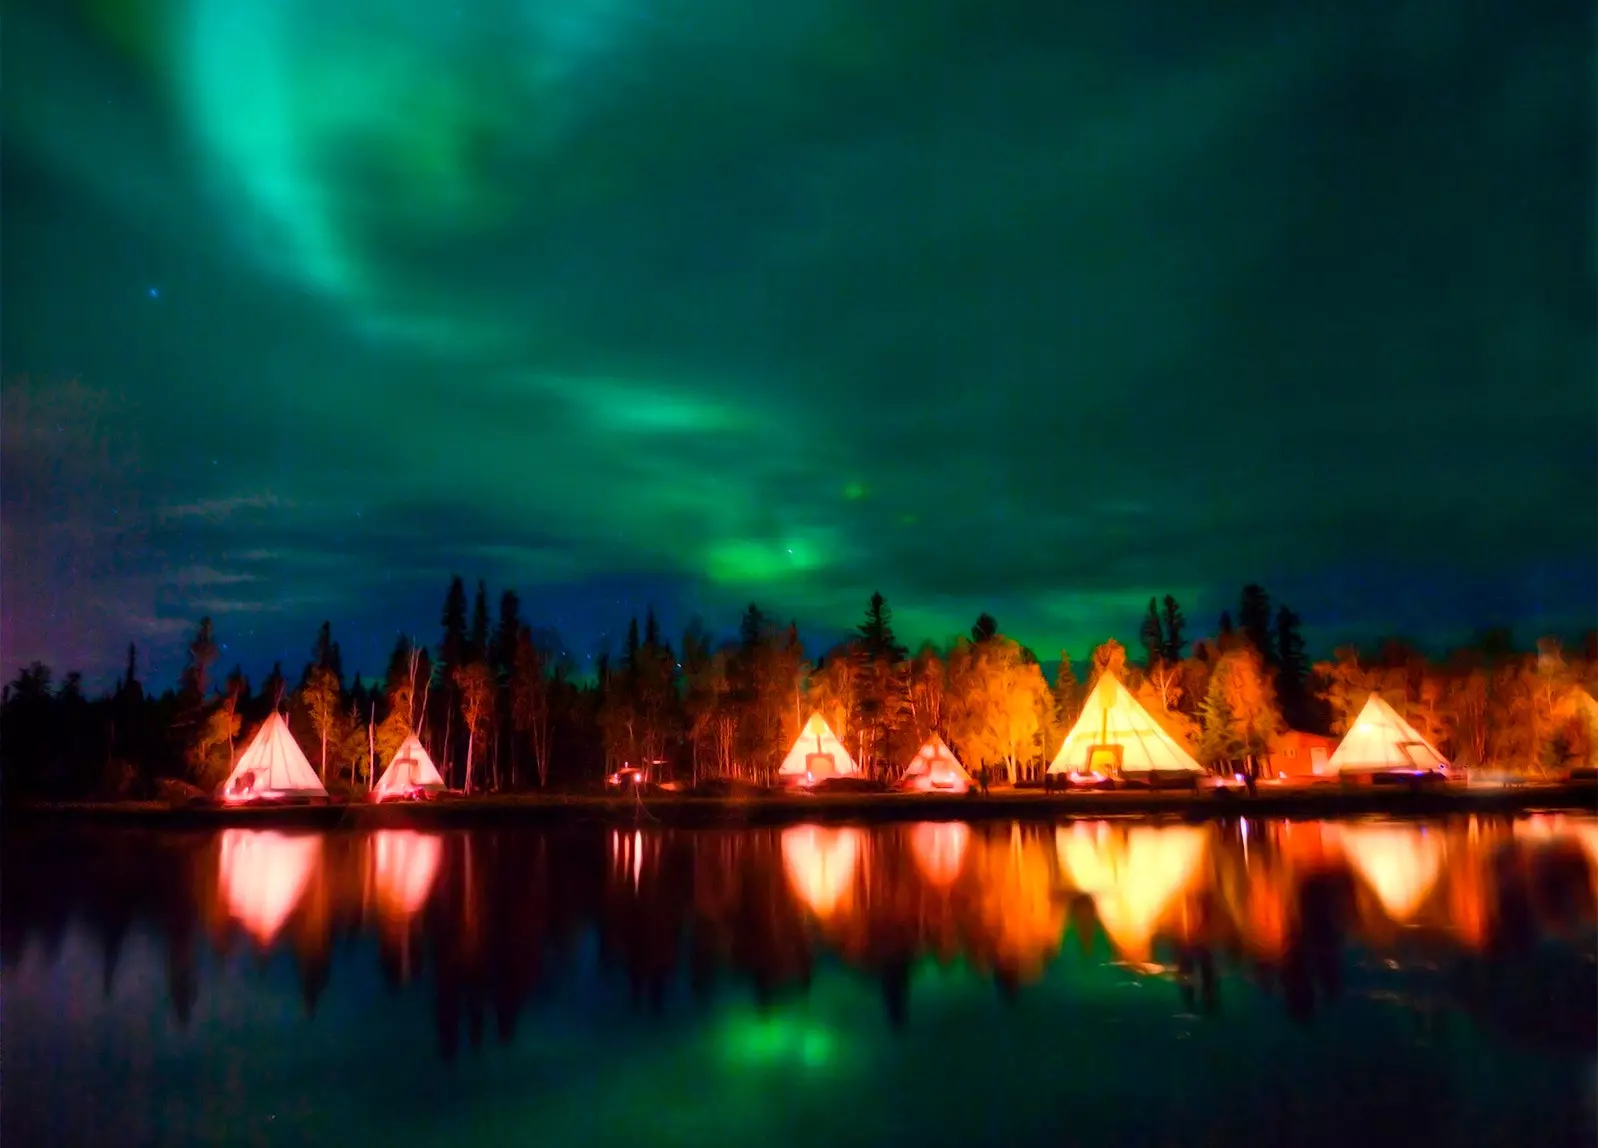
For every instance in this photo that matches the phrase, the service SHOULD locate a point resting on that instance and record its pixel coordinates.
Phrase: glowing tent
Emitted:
(272, 766)
(411, 769)
(1134, 875)
(1380, 741)
(1399, 863)
(816, 754)
(935, 769)
(1116, 735)
(264, 874)
(820, 863)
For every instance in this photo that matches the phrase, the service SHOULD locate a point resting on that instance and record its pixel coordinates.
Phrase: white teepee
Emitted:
(1380, 741)
(1116, 734)
(935, 768)
(272, 766)
(411, 769)
(817, 754)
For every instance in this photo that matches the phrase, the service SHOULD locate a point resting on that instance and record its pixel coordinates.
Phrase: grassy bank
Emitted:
(779, 809)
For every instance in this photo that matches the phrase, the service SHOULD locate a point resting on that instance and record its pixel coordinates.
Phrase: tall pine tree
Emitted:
(1254, 619)
(1152, 636)
(1175, 624)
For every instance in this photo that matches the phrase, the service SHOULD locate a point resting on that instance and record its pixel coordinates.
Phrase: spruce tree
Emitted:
(1175, 623)
(1152, 636)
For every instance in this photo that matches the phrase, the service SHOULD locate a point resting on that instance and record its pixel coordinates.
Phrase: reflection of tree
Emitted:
(491, 916)
(1012, 919)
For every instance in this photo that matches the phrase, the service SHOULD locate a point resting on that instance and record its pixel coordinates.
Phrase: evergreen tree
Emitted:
(876, 632)
(130, 690)
(1152, 636)
(1226, 629)
(273, 688)
(1254, 619)
(985, 629)
(1175, 623)
(325, 655)
(1291, 669)
(478, 642)
(1219, 741)
(452, 649)
(502, 650)
(202, 652)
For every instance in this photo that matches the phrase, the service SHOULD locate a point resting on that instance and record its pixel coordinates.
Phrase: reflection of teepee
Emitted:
(935, 768)
(939, 848)
(820, 863)
(264, 874)
(817, 753)
(404, 867)
(1380, 741)
(1134, 875)
(1400, 864)
(273, 765)
(410, 769)
(1549, 827)
(1116, 734)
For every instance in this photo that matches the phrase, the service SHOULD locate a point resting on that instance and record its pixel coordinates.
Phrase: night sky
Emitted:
(1038, 309)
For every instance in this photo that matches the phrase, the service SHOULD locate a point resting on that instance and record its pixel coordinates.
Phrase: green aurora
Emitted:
(1038, 309)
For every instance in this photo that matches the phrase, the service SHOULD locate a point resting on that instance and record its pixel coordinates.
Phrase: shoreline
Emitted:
(782, 809)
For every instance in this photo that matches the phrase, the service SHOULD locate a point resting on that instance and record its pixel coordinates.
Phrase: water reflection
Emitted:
(263, 875)
(491, 921)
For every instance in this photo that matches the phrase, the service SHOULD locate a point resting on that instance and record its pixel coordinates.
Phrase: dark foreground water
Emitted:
(1088, 982)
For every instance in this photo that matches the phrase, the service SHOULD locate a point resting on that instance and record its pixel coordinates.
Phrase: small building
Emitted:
(1296, 752)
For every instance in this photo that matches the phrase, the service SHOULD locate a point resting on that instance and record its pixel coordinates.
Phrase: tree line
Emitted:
(499, 706)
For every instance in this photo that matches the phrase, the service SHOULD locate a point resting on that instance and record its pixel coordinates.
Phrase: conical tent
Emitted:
(1116, 734)
(411, 769)
(1380, 741)
(272, 766)
(934, 767)
(817, 753)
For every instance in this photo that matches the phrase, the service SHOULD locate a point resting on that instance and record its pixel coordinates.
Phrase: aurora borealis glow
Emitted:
(1038, 309)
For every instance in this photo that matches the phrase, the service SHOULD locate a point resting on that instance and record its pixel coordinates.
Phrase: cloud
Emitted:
(219, 509)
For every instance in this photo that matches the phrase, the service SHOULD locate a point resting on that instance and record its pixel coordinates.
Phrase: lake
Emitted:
(1109, 981)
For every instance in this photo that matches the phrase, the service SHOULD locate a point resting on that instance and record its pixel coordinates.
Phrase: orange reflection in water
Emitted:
(1018, 920)
(404, 866)
(1399, 863)
(939, 848)
(264, 875)
(820, 863)
(1134, 875)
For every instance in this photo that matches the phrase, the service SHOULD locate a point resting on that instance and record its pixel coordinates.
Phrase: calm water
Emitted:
(1087, 982)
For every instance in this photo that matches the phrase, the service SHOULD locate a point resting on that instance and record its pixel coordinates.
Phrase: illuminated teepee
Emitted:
(411, 769)
(935, 769)
(272, 766)
(1115, 734)
(817, 754)
(1380, 741)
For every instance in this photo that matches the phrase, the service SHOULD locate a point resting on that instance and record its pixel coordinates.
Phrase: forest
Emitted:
(500, 708)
